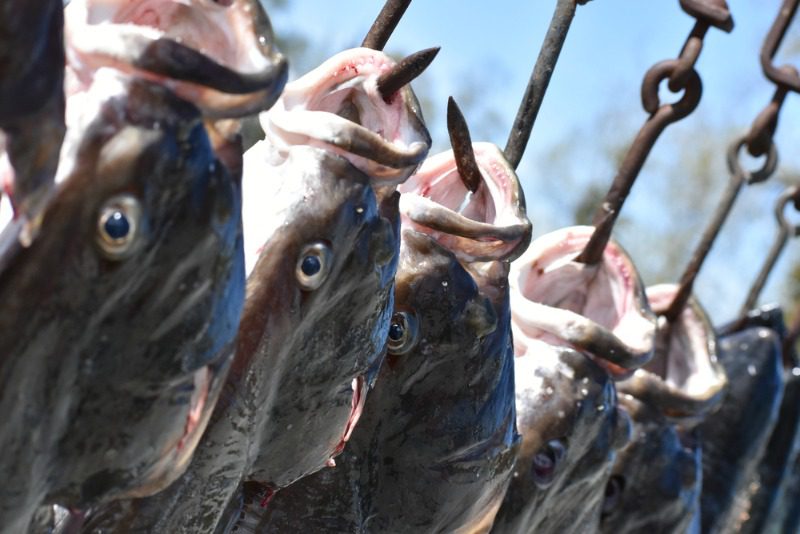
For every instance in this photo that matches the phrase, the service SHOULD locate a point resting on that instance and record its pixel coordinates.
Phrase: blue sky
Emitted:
(610, 46)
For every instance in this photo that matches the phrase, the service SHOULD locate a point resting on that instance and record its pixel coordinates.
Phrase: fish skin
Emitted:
(415, 462)
(233, 71)
(281, 416)
(656, 479)
(31, 101)
(763, 505)
(735, 437)
(142, 343)
(561, 394)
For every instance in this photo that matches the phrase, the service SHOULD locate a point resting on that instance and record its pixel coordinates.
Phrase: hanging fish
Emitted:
(570, 425)
(656, 478)
(735, 438)
(31, 104)
(121, 315)
(760, 503)
(436, 443)
(218, 54)
(308, 350)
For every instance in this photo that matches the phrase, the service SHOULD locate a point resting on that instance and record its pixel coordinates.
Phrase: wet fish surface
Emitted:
(134, 286)
(735, 438)
(760, 507)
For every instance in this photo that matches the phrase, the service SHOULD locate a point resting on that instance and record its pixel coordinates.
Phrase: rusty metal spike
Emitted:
(461, 142)
(404, 72)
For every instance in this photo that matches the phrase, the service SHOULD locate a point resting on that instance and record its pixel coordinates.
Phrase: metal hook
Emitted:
(771, 44)
(785, 230)
(539, 80)
(385, 23)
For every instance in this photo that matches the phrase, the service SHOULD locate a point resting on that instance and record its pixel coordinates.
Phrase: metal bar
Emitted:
(385, 23)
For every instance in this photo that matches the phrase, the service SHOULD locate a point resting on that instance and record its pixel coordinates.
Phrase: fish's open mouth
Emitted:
(489, 224)
(684, 379)
(218, 55)
(337, 106)
(600, 310)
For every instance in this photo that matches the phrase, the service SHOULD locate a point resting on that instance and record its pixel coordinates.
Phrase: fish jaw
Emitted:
(685, 379)
(601, 310)
(487, 225)
(236, 74)
(385, 140)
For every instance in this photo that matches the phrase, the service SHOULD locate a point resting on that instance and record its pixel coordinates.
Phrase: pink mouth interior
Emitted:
(197, 404)
(601, 294)
(217, 31)
(356, 407)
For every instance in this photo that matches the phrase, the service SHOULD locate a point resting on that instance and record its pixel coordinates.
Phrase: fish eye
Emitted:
(402, 333)
(613, 494)
(546, 462)
(313, 266)
(118, 224)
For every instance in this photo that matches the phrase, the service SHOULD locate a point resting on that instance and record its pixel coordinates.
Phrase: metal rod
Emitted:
(404, 72)
(385, 23)
(784, 231)
(539, 80)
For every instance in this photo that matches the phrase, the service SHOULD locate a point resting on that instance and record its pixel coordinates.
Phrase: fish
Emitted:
(218, 54)
(762, 505)
(656, 479)
(735, 437)
(569, 419)
(31, 105)
(332, 229)
(122, 313)
(601, 310)
(436, 443)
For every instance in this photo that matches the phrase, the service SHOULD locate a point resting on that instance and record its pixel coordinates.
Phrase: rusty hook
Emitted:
(461, 142)
(772, 42)
(785, 230)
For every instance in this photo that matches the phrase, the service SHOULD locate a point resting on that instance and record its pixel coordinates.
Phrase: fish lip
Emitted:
(504, 237)
(605, 344)
(681, 402)
(388, 151)
(219, 90)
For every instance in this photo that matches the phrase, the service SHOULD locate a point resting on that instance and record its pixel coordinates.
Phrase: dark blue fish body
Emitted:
(122, 313)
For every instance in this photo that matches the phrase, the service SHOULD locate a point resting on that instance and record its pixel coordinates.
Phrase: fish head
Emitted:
(338, 107)
(656, 478)
(218, 54)
(134, 287)
(438, 430)
(601, 310)
(317, 310)
(571, 428)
